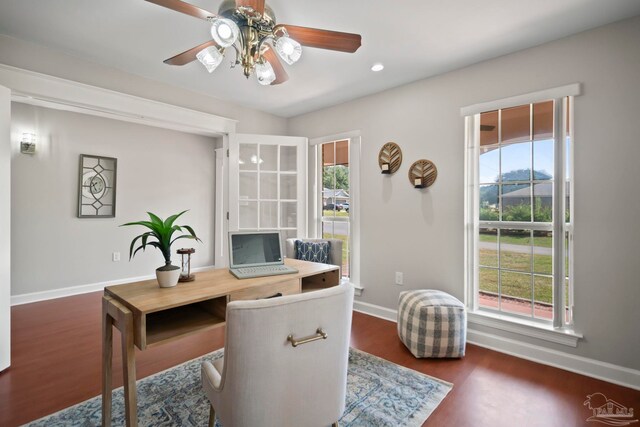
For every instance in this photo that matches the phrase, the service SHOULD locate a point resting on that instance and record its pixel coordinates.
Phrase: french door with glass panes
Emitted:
(267, 184)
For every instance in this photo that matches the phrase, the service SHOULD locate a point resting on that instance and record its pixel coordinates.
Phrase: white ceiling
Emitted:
(414, 39)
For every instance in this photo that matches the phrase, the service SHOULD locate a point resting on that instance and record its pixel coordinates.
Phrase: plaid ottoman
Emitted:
(432, 323)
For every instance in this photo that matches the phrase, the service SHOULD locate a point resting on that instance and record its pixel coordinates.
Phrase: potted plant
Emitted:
(162, 232)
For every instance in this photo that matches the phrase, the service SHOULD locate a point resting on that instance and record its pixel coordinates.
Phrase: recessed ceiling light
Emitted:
(377, 67)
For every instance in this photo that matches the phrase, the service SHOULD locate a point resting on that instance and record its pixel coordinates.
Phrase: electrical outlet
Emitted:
(116, 256)
(399, 279)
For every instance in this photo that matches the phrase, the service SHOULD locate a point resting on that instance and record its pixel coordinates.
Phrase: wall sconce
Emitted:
(389, 158)
(422, 174)
(28, 143)
(185, 274)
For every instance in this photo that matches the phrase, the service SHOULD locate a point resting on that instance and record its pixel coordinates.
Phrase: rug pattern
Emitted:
(379, 393)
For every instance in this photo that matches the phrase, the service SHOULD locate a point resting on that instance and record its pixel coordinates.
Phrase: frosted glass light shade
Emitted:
(210, 57)
(288, 49)
(265, 73)
(224, 31)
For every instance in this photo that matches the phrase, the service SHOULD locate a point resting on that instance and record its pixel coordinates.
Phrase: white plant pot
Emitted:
(168, 276)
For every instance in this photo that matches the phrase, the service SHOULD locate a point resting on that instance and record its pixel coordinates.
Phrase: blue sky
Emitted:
(517, 156)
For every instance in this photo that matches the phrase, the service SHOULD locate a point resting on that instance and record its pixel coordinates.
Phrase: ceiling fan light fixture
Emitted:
(224, 31)
(265, 73)
(288, 49)
(210, 57)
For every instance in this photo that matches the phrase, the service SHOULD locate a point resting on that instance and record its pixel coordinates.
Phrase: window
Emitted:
(335, 198)
(519, 168)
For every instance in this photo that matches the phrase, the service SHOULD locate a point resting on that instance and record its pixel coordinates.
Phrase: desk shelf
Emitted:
(167, 325)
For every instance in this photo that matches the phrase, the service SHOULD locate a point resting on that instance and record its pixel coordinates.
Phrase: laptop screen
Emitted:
(254, 248)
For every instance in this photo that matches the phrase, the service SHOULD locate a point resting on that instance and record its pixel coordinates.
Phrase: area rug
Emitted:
(379, 393)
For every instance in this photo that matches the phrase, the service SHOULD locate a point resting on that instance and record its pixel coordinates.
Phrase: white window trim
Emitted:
(354, 187)
(558, 332)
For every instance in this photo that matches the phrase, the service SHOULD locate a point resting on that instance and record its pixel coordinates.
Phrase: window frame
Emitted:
(315, 229)
(473, 224)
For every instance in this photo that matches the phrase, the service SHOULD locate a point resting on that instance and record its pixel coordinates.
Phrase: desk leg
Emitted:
(115, 314)
(107, 351)
(129, 369)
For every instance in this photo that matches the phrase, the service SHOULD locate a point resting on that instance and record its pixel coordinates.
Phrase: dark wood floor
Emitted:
(56, 363)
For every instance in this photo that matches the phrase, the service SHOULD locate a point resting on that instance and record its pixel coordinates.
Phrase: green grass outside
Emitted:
(542, 264)
(519, 285)
(542, 241)
(337, 213)
(345, 244)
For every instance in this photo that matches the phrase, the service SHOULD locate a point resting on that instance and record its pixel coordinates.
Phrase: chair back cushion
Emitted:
(335, 249)
(267, 381)
(312, 251)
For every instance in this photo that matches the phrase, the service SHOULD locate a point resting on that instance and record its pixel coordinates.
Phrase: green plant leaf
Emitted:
(184, 236)
(193, 233)
(169, 221)
(154, 218)
(144, 237)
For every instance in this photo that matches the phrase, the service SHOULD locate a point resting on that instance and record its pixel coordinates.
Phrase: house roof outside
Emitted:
(338, 193)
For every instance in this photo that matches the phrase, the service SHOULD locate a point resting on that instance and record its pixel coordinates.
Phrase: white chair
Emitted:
(271, 374)
(335, 250)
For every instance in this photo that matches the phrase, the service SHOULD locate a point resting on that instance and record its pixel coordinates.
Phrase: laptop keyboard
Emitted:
(264, 270)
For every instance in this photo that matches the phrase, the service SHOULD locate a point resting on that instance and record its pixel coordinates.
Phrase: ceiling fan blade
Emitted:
(278, 69)
(257, 5)
(182, 7)
(323, 39)
(189, 55)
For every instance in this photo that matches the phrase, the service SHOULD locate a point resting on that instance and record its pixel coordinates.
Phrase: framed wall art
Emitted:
(97, 187)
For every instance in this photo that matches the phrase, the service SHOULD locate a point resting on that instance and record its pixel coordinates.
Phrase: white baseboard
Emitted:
(81, 289)
(581, 365)
(375, 310)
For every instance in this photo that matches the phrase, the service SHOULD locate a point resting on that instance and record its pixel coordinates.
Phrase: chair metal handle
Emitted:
(319, 335)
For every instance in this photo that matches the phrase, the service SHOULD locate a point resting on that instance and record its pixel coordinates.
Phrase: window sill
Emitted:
(531, 329)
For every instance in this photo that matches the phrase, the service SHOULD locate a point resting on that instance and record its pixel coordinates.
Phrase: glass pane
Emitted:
(489, 163)
(543, 252)
(488, 128)
(568, 179)
(543, 288)
(327, 229)
(516, 202)
(268, 186)
(543, 160)
(543, 120)
(288, 158)
(287, 234)
(489, 203)
(248, 157)
(345, 253)
(516, 162)
(268, 215)
(342, 153)
(568, 313)
(288, 186)
(515, 124)
(248, 215)
(488, 247)
(248, 185)
(515, 290)
(488, 285)
(288, 212)
(543, 202)
(268, 157)
(515, 250)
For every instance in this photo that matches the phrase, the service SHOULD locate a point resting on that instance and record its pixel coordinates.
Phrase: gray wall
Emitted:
(159, 170)
(30, 56)
(5, 225)
(421, 233)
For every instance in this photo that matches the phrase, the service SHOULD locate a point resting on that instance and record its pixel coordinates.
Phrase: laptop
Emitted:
(256, 254)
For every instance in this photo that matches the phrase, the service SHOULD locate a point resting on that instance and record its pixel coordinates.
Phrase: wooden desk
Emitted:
(147, 315)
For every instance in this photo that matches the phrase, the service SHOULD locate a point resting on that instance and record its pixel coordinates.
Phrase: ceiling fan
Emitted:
(249, 27)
